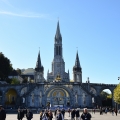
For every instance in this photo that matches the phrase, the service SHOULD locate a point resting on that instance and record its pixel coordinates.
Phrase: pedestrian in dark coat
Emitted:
(73, 114)
(77, 113)
(59, 115)
(86, 115)
(2, 113)
(19, 114)
(55, 112)
(29, 115)
(63, 112)
(22, 113)
(50, 115)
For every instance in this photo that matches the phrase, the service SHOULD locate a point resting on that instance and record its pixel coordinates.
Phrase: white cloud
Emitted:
(7, 3)
(27, 14)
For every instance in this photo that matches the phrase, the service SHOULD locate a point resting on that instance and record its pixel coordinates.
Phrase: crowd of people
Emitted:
(24, 113)
(59, 114)
(106, 110)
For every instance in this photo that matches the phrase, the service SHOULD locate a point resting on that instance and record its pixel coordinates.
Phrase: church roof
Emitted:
(29, 71)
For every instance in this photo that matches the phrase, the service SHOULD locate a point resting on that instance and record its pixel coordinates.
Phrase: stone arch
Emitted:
(103, 88)
(56, 87)
(67, 92)
(11, 96)
(102, 101)
(52, 92)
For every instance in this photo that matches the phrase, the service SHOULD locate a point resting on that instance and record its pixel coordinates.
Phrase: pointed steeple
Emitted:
(77, 62)
(39, 67)
(77, 66)
(58, 34)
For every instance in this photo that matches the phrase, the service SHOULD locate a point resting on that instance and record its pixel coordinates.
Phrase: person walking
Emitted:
(69, 111)
(94, 110)
(59, 115)
(22, 113)
(73, 114)
(41, 114)
(50, 115)
(86, 115)
(112, 112)
(19, 114)
(55, 113)
(29, 115)
(77, 114)
(63, 112)
(116, 112)
(45, 115)
(2, 113)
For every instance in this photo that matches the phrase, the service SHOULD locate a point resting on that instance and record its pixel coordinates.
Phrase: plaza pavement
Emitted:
(95, 116)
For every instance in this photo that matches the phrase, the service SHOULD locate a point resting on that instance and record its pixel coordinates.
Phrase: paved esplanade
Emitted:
(95, 116)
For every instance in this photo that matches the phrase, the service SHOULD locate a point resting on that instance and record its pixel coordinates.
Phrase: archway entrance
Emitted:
(58, 97)
(11, 96)
(106, 98)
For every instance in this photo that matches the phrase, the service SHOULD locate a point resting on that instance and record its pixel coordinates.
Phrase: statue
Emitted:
(23, 100)
(93, 100)
(84, 98)
(40, 97)
(76, 97)
(32, 97)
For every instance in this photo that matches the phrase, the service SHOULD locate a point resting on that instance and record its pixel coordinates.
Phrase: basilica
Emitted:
(57, 89)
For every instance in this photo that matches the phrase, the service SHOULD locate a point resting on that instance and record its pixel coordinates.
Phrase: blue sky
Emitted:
(90, 26)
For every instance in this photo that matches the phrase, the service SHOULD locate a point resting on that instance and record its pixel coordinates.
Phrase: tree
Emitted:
(109, 96)
(5, 67)
(15, 81)
(117, 94)
(25, 80)
(104, 95)
(18, 71)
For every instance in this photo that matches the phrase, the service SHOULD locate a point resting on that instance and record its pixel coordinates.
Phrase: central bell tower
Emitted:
(58, 64)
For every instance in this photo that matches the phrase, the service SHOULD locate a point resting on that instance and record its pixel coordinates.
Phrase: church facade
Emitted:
(57, 89)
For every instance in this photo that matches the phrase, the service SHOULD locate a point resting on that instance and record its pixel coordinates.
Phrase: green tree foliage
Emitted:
(25, 80)
(8, 80)
(109, 96)
(18, 71)
(104, 95)
(5, 67)
(15, 81)
(117, 94)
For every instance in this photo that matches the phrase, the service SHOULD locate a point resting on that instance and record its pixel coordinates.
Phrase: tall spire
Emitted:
(58, 34)
(77, 62)
(77, 66)
(39, 67)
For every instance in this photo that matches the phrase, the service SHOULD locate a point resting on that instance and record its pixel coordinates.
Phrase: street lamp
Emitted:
(118, 78)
